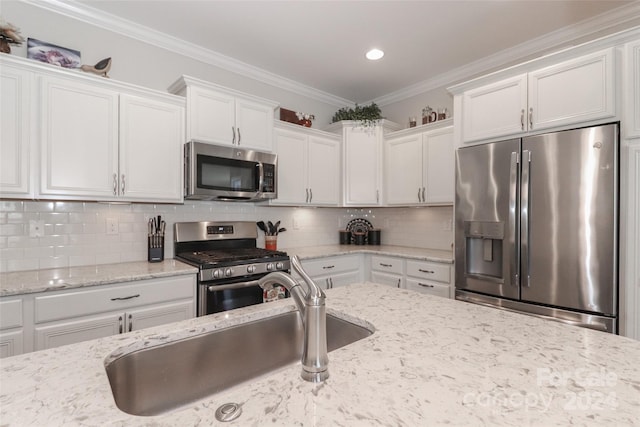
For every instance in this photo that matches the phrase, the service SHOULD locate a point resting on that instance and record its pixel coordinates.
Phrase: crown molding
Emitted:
(586, 28)
(82, 12)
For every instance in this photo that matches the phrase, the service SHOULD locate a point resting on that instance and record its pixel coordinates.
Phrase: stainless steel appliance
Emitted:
(537, 225)
(215, 172)
(230, 264)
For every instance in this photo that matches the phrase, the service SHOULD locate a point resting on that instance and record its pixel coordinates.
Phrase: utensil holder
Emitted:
(374, 237)
(155, 248)
(345, 237)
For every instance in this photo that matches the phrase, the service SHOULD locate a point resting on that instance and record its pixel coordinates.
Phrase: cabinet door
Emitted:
(323, 162)
(210, 116)
(15, 132)
(342, 279)
(11, 343)
(430, 288)
(387, 279)
(403, 170)
(292, 170)
(362, 166)
(439, 167)
(632, 89)
(158, 315)
(78, 330)
(79, 139)
(573, 91)
(494, 110)
(254, 125)
(151, 138)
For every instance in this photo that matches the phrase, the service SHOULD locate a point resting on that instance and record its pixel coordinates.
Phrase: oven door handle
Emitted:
(240, 285)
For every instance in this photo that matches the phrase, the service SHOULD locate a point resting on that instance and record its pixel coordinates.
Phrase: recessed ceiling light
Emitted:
(374, 54)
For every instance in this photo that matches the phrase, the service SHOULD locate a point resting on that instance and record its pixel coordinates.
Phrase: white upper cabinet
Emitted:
(419, 168)
(15, 131)
(100, 143)
(632, 93)
(79, 139)
(496, 109)
(308, 167)
(151, 134)
(220, 115)
(362, 161)
(573, 91)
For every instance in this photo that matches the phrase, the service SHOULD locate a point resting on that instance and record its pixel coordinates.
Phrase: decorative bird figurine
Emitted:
(101, 67)
(9, 34)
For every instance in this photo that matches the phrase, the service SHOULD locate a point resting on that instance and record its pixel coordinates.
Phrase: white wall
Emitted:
(75, 232)
(140, 63)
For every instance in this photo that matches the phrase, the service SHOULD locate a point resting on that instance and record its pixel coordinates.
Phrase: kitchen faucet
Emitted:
(311, 305)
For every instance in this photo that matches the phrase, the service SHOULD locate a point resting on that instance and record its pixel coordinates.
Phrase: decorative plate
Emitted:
(359, 226)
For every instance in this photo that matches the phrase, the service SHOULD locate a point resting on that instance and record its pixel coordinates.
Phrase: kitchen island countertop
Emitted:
(430, 361)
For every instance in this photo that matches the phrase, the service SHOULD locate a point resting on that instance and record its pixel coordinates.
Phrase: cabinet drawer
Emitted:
(386, 279)
(10, 313)
(429, 271)
(331, 265)
(112, 297)
(426, 287)
(386, 264)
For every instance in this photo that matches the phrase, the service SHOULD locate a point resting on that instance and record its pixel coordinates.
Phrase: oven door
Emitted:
(216, 297)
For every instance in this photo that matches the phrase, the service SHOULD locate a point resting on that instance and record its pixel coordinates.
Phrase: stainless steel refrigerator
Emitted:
(536, 225)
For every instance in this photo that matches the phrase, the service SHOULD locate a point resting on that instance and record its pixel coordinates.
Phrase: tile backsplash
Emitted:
(75, 233)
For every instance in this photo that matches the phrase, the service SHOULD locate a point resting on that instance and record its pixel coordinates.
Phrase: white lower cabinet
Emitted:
(387, 270)
(68, 317)
(429, 277)
(387, 279)
(335, 271)
(11, 327)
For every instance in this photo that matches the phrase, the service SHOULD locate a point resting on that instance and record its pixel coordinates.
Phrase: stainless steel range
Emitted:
(230, 263)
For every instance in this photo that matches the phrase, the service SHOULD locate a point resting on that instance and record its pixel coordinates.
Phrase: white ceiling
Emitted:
(321, 44)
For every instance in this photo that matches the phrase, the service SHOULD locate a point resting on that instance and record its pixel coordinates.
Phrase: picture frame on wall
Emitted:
(51, 54)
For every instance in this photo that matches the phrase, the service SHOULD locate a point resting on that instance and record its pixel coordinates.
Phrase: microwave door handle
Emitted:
(261, 176)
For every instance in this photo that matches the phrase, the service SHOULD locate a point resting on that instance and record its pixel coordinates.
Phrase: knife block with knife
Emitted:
(156, 228)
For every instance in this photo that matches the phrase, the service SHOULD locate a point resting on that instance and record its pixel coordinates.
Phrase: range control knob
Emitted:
(228, 272)
(279, 265)
(251, 269)
(216, 274)
(270, 266)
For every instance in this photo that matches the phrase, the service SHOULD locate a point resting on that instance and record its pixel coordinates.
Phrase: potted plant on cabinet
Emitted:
(366, 116)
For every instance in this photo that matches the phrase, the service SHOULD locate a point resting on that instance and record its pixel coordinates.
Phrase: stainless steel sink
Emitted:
(157, 379)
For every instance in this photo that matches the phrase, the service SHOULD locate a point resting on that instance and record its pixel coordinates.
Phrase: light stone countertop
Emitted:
(430, 361)
(390, 250)
(56, 279)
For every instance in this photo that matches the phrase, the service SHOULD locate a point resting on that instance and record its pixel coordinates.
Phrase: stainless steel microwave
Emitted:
(215, 172)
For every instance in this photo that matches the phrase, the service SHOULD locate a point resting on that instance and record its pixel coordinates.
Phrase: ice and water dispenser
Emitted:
(484, 250)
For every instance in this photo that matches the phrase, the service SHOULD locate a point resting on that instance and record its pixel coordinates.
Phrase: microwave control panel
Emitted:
(269, 178)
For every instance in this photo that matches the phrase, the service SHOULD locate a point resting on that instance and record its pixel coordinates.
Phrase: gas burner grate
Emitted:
(230, 255)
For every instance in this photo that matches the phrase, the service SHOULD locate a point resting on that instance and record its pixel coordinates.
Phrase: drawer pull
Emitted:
(125, 298)
(426, 271)
(130, 323)
(385, 265)
(424, 285)
(399, 281)
(120, 324)
(328, 267)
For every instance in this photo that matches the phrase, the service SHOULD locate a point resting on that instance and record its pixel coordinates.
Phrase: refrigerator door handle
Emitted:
(513, 225)
(524, 216)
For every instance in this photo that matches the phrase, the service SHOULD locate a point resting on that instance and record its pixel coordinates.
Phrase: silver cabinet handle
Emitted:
(425, 285)
(120, 324)
(307, 199)
(377, 196)
(385, 265)
(399, 280)
(123, 185)
(423, 198)
(310, 195)
(522, 119)
(115, 184)
(331, 280)
(130, 322)
(419, 200)
(531, 118)
(239, 136)
(328, 267)
(125, 298)
(426, 271)
(233, 141)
